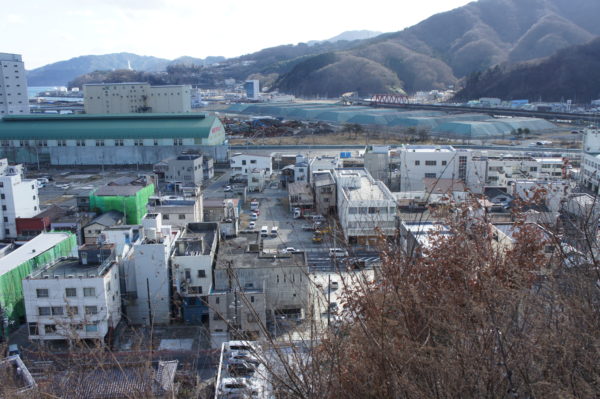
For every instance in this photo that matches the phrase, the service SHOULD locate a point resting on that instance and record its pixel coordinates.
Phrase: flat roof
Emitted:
(71, 267)
(36, 246)
(428, 148)
(232, 253)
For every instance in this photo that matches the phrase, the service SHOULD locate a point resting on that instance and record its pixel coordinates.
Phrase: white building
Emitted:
(13, 85)
(178, 211)
(252, 88)
(418, 162)
(366, 207)
(244, 163)
(148, 285)
(74, 298)
(136, 97)
(186, 169)
(18, 198)
(590, 164)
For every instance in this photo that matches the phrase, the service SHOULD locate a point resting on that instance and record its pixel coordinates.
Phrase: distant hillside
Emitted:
(60, 73)
(572, 73)
(448, 46)
(349, 35)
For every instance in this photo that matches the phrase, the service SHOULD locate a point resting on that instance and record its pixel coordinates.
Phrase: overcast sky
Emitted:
(46, 31)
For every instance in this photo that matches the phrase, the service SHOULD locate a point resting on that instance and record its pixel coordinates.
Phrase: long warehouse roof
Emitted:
(114, 126)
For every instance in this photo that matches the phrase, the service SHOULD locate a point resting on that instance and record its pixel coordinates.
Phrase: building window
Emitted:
(91, 327)
(42, 143)
(5, 143)
(181, 216)
(430, 175)
(44, 311)
(155, 141)
(33, 329)
(80, 143)
(72, 310)
(57, 310)
(188, 274)
(42, 292)
(430, 163)
(201, 273)
(119, 143)
(217, 300)
(165, 217)
(89, 291)
(2, 196)
(99, 143)
(138, 142)
(417, 163)
(91, 310)
(444, 163)
(253, 161)
(252, 299)
(177, 141)
(50, 328)
(62, 143)
(243, 162)
(71, 292)
(24, 143)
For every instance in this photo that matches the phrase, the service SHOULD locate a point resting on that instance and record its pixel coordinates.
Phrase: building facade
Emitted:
(74, 298)
(366, 207)
(143, 139)
(136, 97)
(245, 163)
(187, 169)
(13, 85)
(252, 89)
(18, 198)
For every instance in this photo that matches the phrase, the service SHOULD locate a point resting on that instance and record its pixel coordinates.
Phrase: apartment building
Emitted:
(366, 207)
(136, 97)
(18, 198)
(245, 163)
(192, 268)
(13, 85)
(74, 298)
(186, 169)
(148, 283)
(418, 162)
(178, 211)
(590, 164)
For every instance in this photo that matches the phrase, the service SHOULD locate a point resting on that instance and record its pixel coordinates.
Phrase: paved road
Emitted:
(322, 262)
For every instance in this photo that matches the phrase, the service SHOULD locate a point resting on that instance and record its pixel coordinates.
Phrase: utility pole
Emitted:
(328, 299)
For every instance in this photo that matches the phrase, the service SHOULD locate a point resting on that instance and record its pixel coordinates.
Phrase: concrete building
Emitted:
(377, 163)
(130, 198)
(257, 180)
(15, 266)
(418, 162)
(93, 231)
(244, 163)
(414, 237)
(177, 211)
(324, 188)
(192, 267)
(136, 97)
(109, 139)
(186, 169)
(42, 222)
(300, 195)
(148, 283)
(18, 198)
(13, 85)
(366, 207)
(590, 164)
(253, 287)
(252, 89)
(74, 298)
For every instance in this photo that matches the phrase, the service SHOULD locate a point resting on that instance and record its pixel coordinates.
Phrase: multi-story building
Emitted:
(149, 287)
(18, 198)
(13, 85)
(40, 251)
(244, 163)
(252, 88)
(186, 169)
(192, 268)
(178, 211)
(142, 139)
(418, 162)
(366, 207)
(136, 97)
(590, 164)
(74, 298)
(324, 188)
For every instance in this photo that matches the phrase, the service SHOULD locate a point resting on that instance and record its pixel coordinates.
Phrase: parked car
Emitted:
(289, 250)
(227, 189)
(254, 216)
(251, 225)
(244, 355)
(13, 350)
(235, 386)
(337, 252)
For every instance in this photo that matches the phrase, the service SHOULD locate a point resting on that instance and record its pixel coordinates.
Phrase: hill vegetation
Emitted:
(572, 73)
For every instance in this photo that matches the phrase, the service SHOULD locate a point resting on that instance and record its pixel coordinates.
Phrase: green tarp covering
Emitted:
(134, 206)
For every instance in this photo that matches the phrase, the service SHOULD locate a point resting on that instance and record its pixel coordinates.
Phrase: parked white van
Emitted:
(264, 231)
(274, 231)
